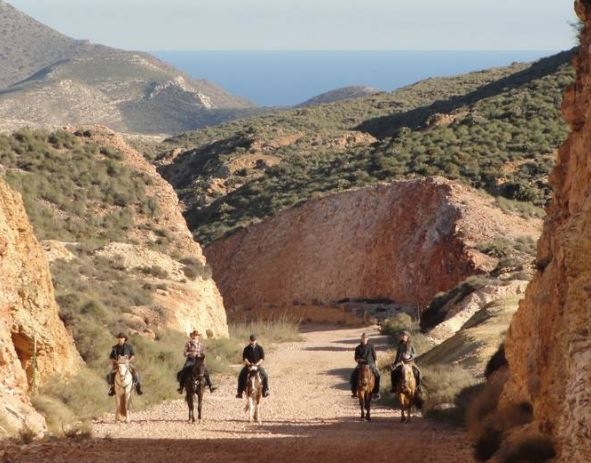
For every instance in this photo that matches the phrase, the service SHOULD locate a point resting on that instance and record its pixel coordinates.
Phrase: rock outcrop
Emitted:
(34, 343)
(548, 346)
(402, 242)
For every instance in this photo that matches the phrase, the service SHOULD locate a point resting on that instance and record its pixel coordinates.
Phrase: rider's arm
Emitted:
(357, 354)
(244, 357)
(262, 352)
(373, 352)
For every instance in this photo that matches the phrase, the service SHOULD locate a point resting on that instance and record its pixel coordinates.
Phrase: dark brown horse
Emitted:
(194, 385)
(365, 385)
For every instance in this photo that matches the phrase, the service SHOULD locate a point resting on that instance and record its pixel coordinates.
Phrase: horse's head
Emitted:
(198, 368)
(122, 365)
(408, 379)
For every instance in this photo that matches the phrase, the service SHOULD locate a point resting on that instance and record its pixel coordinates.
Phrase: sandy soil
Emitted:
(309, 417)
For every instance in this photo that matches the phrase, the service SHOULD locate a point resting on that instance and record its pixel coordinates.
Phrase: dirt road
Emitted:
(310, 417)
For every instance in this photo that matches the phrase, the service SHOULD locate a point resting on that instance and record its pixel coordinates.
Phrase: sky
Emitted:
(311, 24)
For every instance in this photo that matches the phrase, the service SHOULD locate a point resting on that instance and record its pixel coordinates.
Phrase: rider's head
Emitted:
(253, 339)
(364, 338)
(404, 336)
(194, 334)
(121, 338)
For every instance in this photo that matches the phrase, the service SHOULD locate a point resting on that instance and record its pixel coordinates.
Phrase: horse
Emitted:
(254, 392)
(194, 384)
(365, 385)
(123, 388)
(406, 389)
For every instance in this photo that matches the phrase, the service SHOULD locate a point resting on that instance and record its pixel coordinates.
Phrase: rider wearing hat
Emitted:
(123, 348)
(253, 354)
(193, 350)
(365, 352)
(405, 352)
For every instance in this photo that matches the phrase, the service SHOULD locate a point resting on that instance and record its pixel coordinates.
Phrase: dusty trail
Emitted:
(309, 417)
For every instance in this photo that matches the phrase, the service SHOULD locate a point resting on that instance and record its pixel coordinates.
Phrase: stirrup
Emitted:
(266, 393)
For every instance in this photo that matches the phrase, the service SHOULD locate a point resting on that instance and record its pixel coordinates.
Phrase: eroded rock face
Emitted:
(548, 346)
(28, 318)
(404, 241)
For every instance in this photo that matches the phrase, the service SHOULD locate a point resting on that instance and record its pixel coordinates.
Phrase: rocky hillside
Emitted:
(495, 130)
(548, 346)
(34, 342)
(48, 79)
(115, 235)
(403, 243)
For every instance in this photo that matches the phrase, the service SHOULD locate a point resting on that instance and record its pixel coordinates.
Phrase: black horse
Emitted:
(194, 385)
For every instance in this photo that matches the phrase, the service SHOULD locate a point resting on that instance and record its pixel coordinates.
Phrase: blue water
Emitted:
(285, 78)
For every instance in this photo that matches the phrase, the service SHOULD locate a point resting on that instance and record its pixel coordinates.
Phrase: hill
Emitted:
(499, 132)
(345, 93)
(49, 79)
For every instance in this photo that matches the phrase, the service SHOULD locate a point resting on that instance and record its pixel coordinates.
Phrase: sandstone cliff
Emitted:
(548, 346)
(28, 320)
(403, 242)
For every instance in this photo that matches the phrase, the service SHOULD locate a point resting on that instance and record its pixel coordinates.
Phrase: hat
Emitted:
(253, 337)
(194, 333)
(121, 335)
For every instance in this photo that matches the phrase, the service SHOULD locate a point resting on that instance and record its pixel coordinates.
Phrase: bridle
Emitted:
(122, 373)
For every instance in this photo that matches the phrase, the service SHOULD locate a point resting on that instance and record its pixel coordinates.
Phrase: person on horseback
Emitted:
(253, 354)
(193, 349)
(365, 352)
(123, 348)
(405, 352)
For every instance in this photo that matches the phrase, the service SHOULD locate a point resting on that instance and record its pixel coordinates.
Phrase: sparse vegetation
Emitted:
(503, 130)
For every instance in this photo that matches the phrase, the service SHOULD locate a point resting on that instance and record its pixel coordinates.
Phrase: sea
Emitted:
(287, 78)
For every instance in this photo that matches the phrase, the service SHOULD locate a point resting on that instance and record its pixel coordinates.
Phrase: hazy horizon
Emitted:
(307, 25)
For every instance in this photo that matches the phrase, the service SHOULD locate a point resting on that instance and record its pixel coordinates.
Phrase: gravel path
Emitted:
(310, 416)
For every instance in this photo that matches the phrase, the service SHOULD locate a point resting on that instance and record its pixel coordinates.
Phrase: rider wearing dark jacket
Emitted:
(253, 354)
(405, 349)
(122, 348)
(365, 352)
(193, 350)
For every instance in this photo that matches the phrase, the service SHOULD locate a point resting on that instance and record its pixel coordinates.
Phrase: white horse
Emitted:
(123, 388)
(254, 392)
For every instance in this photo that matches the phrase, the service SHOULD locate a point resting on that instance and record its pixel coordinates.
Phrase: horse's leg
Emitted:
(250, 409)
(257, 416)
(409, 410)
(361, 397)
(199, 401)
(401, 400)
(190, 404)
(368, 406)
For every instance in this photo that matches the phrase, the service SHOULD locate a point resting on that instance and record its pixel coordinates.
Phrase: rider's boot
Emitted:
(239, 395)
(353, 394)
(138, 389)
(266, 393)
(180, 389)
(112, 390)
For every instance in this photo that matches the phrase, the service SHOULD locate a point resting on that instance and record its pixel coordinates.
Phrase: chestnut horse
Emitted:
(123, 388)
(365, 385)
(254, 393)
(194, 385)
(405, 388)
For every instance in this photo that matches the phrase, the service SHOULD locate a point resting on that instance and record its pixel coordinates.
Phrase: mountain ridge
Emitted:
(54, 80)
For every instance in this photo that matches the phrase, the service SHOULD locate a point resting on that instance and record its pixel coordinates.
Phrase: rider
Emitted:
(193, 349)
(122, 348)
(405, 351)
(252, 354)
(365, 352)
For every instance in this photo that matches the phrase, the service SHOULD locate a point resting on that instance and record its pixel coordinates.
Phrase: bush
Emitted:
(447, 390)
